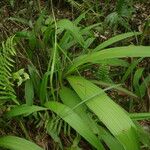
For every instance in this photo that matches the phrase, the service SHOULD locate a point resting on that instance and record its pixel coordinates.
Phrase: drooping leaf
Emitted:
(17, 143)
(23, 110)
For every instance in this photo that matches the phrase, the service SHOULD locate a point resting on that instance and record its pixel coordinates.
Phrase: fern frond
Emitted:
(76, 5)
(103, 73)
(7, 52)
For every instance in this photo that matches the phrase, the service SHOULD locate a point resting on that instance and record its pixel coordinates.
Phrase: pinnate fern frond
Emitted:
(7, 52)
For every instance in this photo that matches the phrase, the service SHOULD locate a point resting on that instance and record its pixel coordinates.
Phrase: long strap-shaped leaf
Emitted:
(16, 143)
(140, 116)
(118, 52)
(111, 114)
(75, 122)
(115, 39)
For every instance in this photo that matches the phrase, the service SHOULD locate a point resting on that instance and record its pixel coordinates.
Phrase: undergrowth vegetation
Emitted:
(65, 85)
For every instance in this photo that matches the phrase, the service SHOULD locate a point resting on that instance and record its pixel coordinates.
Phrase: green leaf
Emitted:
(113, 62)
(74, 30)
(75, 122)
(23, 110)
(111, 114)
(71, 99)
(121, 89)
(31, 37)
(29, 92)
(136, 80)
(118, 52)
(144, 136)
(17, 143)
(140, 116)
(79, 18)
(145, 84)
(43, 88)
(35, 78)
(131, 68)
(116, 39)
(110, 140)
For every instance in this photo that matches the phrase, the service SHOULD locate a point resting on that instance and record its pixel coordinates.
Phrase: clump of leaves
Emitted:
(73, 98)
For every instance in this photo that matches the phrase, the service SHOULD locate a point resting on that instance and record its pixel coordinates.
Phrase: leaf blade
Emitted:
(75, 122)
(113, 116)
(17, 143)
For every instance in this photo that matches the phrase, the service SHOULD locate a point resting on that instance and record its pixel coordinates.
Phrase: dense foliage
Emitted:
(74, 82)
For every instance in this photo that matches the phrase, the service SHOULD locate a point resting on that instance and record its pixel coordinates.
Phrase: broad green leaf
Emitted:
(17, 143)
(23, 110)
(115, 39)
(111, 114)
(74, 30)
(118, 52)
(29, 92)
(71, 99)
(75, 122)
